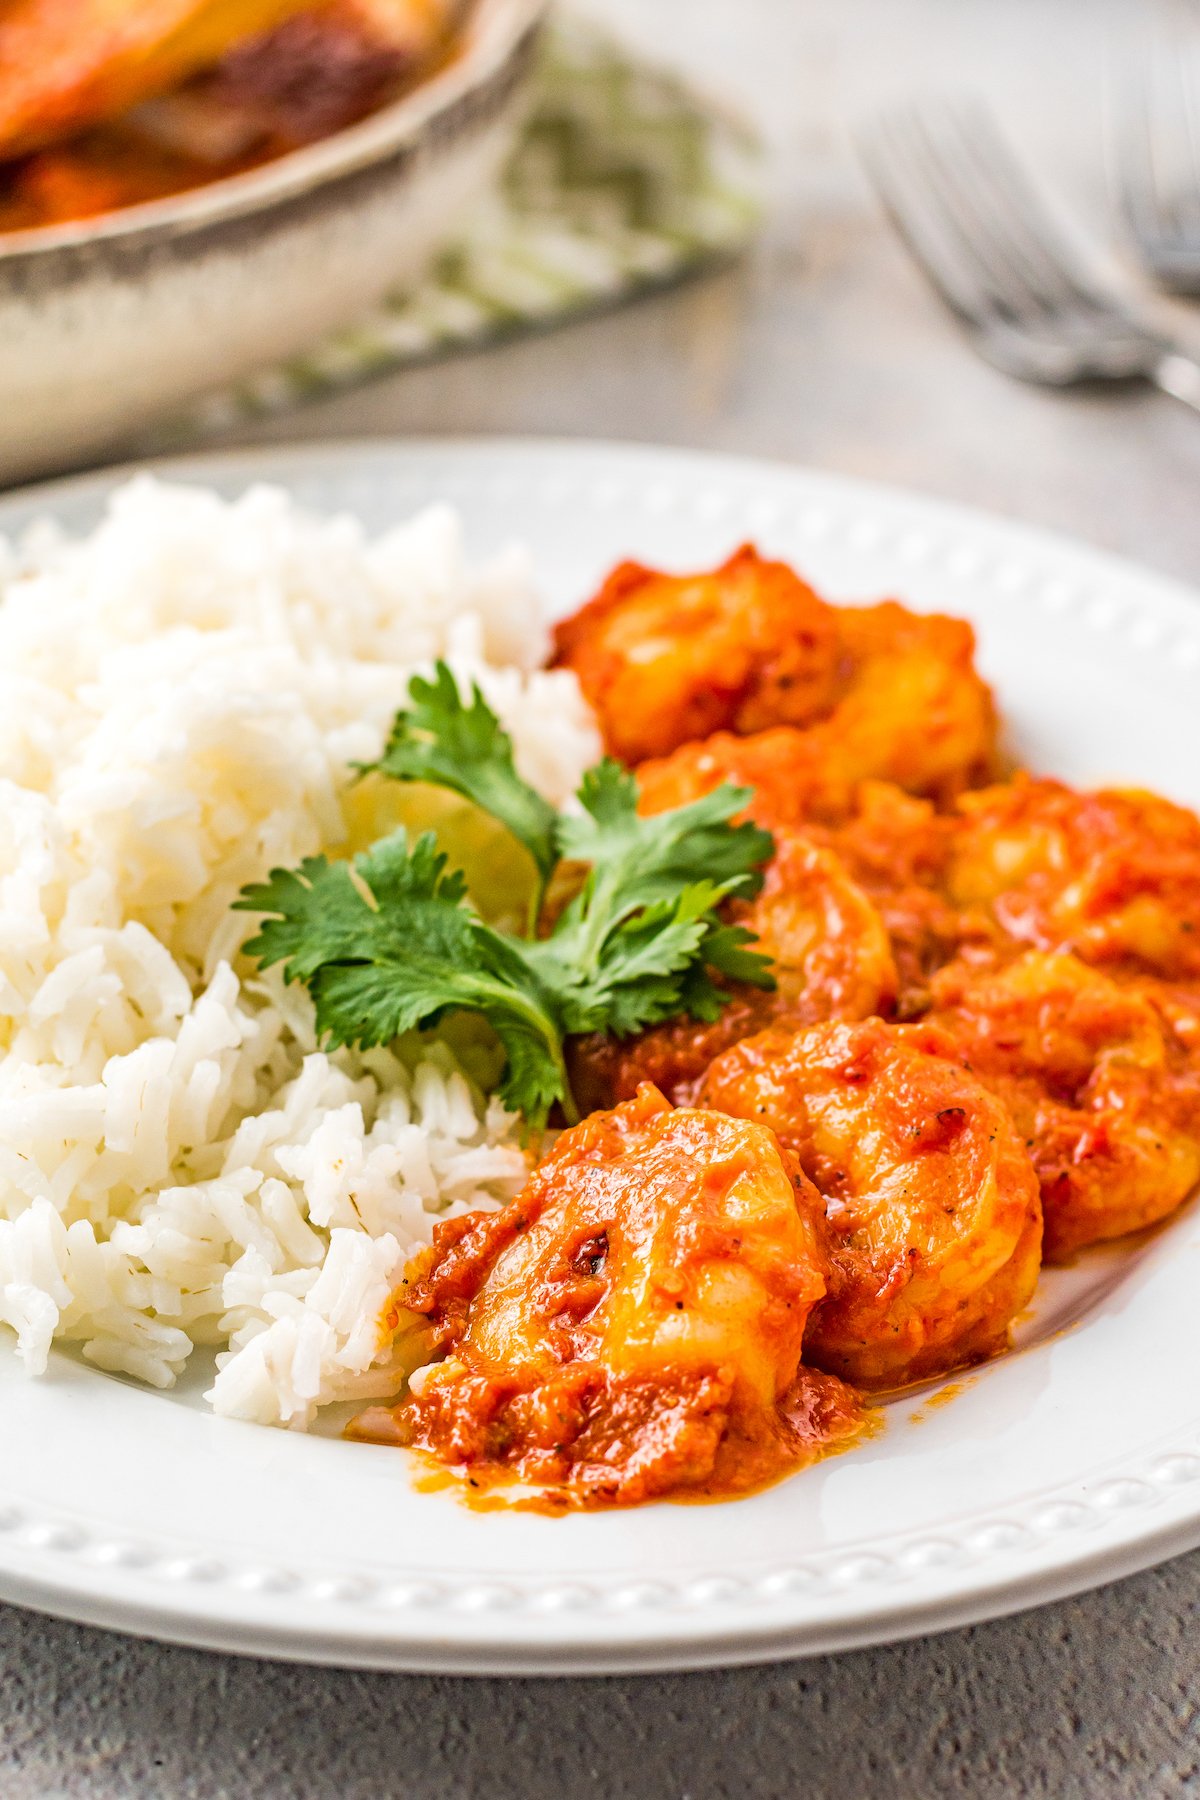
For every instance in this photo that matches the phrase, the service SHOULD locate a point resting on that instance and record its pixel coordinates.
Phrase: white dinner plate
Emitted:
(1070, 1461)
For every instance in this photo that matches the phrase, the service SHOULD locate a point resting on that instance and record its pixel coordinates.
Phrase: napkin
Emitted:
(624, 179)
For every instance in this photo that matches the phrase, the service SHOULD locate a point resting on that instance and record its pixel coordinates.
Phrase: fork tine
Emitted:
(1189, 83)
(1159, 147)
(1140, 186)
(1022, 281)
(1171, 99)
(1029, 268)
(1008, 274)
(895, 165)
(1006, 204)
(974, 221)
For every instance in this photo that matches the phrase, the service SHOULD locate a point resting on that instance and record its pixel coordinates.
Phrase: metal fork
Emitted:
(1158, 151)
(1001, 262)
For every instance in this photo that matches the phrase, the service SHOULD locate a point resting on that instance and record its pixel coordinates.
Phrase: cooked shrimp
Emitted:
(632, 1324)
(932, 1205)
(665, 658)
(793, 775)
(831, 960)
(1104, 1093)
(913, 712)
(1113, 875)
(897, 847)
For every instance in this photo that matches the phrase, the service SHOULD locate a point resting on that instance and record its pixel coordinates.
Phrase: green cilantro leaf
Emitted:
(390, 942)
(635, 978)
(647, 911)
(320, 914)
(637, 861)
(387, 944)
(724, 949)
(460, 745)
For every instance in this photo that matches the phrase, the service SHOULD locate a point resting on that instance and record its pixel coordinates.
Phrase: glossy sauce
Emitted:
(819, 1417)
(986, 1012)
(631, 1327)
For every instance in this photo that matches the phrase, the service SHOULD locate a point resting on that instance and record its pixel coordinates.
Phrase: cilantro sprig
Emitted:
(462, 746)
(389, 941)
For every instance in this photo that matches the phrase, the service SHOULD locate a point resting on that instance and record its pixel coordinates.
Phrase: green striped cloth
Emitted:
(624, 179)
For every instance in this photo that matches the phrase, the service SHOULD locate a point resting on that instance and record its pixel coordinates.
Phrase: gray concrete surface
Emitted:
(1078, 1702)
(825, 348)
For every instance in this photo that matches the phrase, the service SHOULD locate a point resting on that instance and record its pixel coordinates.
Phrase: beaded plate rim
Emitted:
(1110, 1521)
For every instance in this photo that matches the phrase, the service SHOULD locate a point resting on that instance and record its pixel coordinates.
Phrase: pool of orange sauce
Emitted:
(942, 1396)
(746, 1464)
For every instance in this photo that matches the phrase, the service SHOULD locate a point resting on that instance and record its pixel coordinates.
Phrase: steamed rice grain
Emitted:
(181, 696)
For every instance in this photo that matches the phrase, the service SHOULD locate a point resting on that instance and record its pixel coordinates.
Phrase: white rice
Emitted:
(180, 697)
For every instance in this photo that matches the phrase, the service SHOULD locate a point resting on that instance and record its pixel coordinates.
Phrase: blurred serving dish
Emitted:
(174, 173)
(104, 107)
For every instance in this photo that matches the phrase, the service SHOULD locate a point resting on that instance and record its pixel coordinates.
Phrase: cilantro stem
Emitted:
(600, 916)
(571, 1111)
(537, 900)
(392, 941)
(542, 1022)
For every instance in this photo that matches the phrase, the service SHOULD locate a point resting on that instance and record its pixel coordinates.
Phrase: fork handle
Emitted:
(1177, 373)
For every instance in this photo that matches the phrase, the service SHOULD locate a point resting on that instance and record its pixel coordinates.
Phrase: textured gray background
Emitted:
(1094, 1698)
(823, 348)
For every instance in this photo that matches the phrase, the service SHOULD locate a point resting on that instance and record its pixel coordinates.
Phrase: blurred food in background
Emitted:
(106, 104)
(186, 197)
